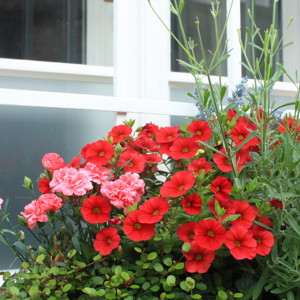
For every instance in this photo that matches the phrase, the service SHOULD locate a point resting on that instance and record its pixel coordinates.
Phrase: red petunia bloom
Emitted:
(145, 144)
(106, 240)
(186, 231)
(184, 148)
(239, 133)
(44, 186)
(95, 209)
(153, 209)
(149, 130)
(178, 185)
(120, 133)
(276, 203)
(241, 243)
(198, 259)
(151, 159)
(246, 211)
(131, 161)
(224, 164)
(262, 219)
(164, 148)
(200, 130)
(227, 205)
(168, 134)
(135, 230)
(199, 165)
(98, 153)
(192, 204)
(221, 187)
(75, 162)
(210, 234)
(289, 125)
(264, 240)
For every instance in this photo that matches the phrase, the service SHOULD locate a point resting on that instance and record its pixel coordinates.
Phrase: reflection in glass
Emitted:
(194, 9)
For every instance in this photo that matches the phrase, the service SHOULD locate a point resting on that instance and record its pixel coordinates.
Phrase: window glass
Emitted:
(263, 11)
(26, 135)
(72, 31)
(197, 9)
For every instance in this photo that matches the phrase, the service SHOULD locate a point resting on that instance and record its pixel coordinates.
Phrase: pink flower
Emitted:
(125, 191)
(97, 174)
(70, 182)
(1, 202)
(52, 161)
(34, 213)
(49, 202)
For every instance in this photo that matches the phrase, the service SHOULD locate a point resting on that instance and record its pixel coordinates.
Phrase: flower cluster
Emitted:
(134, 186)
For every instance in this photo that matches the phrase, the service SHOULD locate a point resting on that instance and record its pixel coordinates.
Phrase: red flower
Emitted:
(223, 163)
(227, 205)
(184, 148)
(131, 161)
(44, 185)
(186, 231)
(95, 209)
(247, 214)
(178, 185)
(192, 204)
(75, 163)
(151, 159)
(120, 133)
(198, 165)
(200, 130)
(146, 144)
(241, 243)
(210, 234)
(52, 161)
(152, 210)
(221, 187)
(135, 230)
(149, 130)
(98, 153)
(164, 148)
(168, 134)
(198, 259)
(107, 240)
(239, 133)
(262, 219)
(288, 125)
(276, 203)
(264, 240)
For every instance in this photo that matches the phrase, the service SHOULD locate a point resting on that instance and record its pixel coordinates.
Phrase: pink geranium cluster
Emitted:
(36, 211)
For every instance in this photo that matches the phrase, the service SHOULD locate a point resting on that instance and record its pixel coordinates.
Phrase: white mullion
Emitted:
(234, 69)
(142, 54)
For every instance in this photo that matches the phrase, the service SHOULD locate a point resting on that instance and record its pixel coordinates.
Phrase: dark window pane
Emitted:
(26, 134)
(263, 11)
(197, 9)
(47, 30)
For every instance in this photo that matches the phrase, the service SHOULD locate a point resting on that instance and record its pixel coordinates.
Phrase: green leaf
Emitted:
(125, 276)
(167, 261)
(139, 250)
(28, 184)
(151, 256)
(201, 286)
(238, 295)
(179, 266)
(294, 224)
(196, 296)
(40, 258)
(184, 286)
(190, 282)
(171, 280)
(158, 267)
(134, 286)
(14, 290)
(21, 246)
(71, 253)
(186, 247)
(67, 287)
(222, 295)
(25, 265)
(146, 285)
(34, 290)
(260, 284)
(118, 270)
(181, 5)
